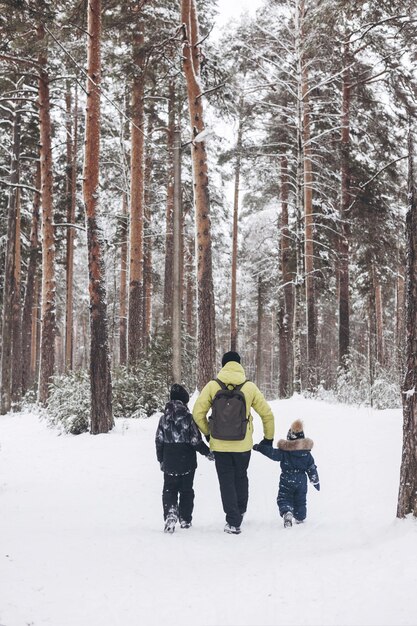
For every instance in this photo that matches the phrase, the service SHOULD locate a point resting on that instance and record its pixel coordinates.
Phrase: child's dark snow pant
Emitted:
(181, 486)
(292, 494)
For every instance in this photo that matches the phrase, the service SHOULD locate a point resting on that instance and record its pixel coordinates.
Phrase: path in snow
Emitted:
(82, 543)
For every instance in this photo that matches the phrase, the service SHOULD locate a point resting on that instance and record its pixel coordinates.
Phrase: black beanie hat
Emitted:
(296, 431)
(178, 392)
(230, 356)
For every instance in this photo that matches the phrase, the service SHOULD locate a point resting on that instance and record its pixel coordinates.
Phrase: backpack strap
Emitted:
(224, 386)
(219, 382)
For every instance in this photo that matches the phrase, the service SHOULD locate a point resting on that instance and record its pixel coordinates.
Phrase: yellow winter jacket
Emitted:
(233, 373)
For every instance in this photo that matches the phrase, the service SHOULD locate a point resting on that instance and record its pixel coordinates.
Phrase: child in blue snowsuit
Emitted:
(297, 463)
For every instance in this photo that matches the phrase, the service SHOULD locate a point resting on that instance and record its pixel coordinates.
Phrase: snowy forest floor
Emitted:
(82, 542)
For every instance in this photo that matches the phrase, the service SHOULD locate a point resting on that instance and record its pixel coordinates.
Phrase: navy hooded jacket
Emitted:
(295, 457)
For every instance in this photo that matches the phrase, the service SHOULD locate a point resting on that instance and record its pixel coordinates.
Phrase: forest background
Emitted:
(139, 243)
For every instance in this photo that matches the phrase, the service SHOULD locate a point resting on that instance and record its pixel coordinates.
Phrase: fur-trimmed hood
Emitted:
(295, 444)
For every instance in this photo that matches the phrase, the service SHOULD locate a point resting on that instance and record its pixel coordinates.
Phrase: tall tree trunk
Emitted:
(206, 349)
(147, 241)
(36, 332)
(190, 286)
(308, 218)
(135, 319)
(123, 286)
(48, 329)
(30, 302)
(16, 391)
(371, 342)
(100, 376)
(169, 207)
(9, 274)
(297, 384)
(407, 495)
(71, 188)
(399, 321)
(380, 351)
(238, 162)
(343, 261)
(286, 312)
(259, 334)
(177, 261)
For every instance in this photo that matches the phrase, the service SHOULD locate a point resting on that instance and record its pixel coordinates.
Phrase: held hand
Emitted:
(256, 446)
(210, 456)
(265, 442)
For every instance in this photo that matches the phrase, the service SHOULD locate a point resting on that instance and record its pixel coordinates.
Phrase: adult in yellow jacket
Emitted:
(232, 457)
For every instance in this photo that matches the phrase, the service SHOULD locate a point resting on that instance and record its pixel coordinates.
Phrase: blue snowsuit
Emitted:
(296, 464)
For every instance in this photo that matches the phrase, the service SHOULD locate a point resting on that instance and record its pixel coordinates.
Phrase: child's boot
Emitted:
(185, 524)
(288, 517)
(170, 521)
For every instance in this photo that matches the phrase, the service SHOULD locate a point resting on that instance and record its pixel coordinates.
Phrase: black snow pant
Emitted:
(292, 494)
(231, 470)
(178, 495)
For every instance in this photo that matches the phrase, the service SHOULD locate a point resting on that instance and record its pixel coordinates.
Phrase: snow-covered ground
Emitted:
(82, 543)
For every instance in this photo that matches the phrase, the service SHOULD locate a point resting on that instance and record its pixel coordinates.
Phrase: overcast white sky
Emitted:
(233, 8)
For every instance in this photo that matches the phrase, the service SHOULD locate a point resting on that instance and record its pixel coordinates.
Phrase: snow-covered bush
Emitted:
(354, 386)
(143, 390)
(127, 392)
(69, 402)
(386, 392)
(138, 392)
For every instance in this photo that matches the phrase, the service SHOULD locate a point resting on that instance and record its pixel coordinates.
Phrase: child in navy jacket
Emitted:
(297, 463)
(177, 439)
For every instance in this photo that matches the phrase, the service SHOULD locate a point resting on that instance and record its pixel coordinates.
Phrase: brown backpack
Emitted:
(228, 420)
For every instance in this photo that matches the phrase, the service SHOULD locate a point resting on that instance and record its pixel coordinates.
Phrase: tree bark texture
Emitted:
(177, 262)
(371, 341)
(9, 274)
(380, 349)
(135, 319)
(100, 376)
(297, 383)
(259, 333)
(343, 261)
(308, 218)
(35, 347)
(16, 390)
(169, 207)
(407, 496)
(190, 286)
(238, 162)
(147, 241)
(287, 277)
(400, 321)
(206, 348)
(71, 189)
(30, 301)
(123, 285)
(48, 297)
